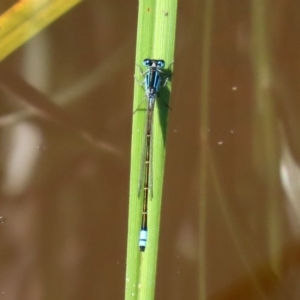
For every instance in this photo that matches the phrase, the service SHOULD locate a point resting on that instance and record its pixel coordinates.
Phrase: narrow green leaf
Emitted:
(156, 40)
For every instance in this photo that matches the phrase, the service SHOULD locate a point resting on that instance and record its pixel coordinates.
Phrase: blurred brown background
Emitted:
(65, 154)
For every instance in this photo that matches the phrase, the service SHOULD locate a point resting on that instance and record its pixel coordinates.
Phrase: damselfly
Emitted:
(152, 83)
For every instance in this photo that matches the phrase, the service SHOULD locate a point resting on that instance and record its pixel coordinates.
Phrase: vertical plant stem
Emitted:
(156, 40)
(204, 116)
(266, 143)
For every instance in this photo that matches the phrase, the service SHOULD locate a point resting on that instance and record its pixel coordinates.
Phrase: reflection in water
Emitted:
(290, 178)
(22, 153)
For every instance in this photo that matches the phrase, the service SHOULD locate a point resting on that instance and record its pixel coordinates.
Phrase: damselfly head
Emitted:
(154, 63)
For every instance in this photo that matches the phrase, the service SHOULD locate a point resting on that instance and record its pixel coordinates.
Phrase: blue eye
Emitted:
(147, 62)
(161, 63)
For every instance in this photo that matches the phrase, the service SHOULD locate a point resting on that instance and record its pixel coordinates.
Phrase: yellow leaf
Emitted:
(27, 18)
